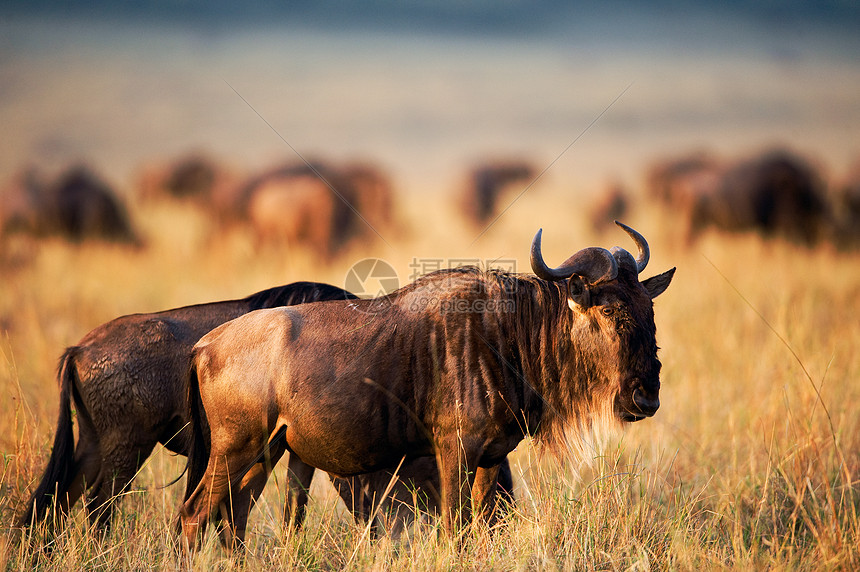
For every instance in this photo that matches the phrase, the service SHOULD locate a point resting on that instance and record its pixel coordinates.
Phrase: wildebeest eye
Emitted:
(606, 311)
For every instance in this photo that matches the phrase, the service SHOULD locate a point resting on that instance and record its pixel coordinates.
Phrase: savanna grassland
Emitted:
(752, 462)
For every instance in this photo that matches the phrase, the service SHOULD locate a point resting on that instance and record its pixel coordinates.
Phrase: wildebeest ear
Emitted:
(578, 293)
(656, 285)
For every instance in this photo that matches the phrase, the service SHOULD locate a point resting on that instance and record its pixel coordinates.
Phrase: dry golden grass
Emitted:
(751, 463)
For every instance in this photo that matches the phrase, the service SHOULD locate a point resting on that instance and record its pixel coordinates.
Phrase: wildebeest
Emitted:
(460, 365)
(677, 182)
(127, 379)
(318, 205)
(611, 205)
(487, 181)
(776, 193)
(193, 177)
(846, 209)
(19, 203)
(77, 205)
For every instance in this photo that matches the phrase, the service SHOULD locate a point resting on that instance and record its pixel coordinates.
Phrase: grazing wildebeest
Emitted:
(299, 210)
(128, 381)
(19, 203)
(193, 177)
(319, 205)
(677, 182)
(460, 365)
(611, 205)
(86, 207)
(374, 195)
(77, 205)
(776, 193)
(846, 209)
(487, 182)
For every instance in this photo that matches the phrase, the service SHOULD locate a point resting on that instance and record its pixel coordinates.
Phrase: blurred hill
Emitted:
(424, 87)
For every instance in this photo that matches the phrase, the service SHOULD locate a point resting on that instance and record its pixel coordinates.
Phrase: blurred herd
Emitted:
(322, 205)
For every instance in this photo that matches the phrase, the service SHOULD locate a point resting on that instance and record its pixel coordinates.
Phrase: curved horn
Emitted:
(594, 264)
(624, 259)
(641, 243)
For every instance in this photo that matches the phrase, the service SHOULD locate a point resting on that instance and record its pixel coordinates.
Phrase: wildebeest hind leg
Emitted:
(119, 467)
(245, 495)
(214, 488)
(86, 468)
(353, 495)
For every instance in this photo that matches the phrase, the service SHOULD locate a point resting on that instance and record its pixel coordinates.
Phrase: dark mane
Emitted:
(530, 322)
(557, 378)
(296, 293)
(534, 348)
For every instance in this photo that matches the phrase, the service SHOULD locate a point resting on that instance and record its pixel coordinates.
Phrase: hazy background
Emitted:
(424, 88)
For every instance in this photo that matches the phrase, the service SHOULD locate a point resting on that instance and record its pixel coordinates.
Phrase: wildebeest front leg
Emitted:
(457, 476)
(353, 495)
(484, 493)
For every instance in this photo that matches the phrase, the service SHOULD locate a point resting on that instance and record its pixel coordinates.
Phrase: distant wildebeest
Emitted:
(318, 205)
(193, 177)
(460, 365)
(846, 209)
(611, 205)
(128, 381)
(679, 181)
(776, 193)
(77, 205)
(487, 182)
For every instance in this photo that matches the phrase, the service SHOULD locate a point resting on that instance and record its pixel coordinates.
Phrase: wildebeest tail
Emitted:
(60, 471)
(198, 449)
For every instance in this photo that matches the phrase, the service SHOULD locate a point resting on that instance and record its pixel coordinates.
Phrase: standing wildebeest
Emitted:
(487, 182)
(318, 205)
(77, 205)
(193, 177)
(461, 365)
(128, 380)
(776, 193)
(610, 205)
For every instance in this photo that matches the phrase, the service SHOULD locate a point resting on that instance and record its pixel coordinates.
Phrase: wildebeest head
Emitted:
(612, 320)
